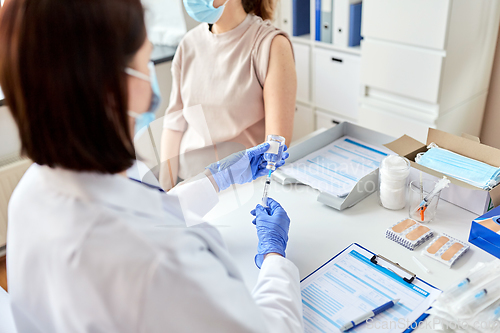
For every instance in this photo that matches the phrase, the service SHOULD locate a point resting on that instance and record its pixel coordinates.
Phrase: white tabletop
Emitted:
(319, 232)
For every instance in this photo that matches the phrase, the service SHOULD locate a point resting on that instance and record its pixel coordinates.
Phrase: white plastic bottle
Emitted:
(393, 182)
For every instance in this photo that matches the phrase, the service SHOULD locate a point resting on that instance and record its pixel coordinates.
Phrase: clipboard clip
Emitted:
(377, 258)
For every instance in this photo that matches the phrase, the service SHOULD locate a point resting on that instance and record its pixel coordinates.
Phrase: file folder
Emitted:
(355, 24)
(341, 18)
(301, 17)
(326, 21)
(317, 33)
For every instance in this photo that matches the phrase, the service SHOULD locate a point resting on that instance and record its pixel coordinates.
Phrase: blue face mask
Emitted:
(142, 120)
(204, 10)
(471, 171)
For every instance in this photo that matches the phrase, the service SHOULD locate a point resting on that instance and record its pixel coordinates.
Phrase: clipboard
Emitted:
(356, 281)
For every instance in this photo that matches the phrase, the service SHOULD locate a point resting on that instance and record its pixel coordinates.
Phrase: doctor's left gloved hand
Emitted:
(242, 167)
(272, 229)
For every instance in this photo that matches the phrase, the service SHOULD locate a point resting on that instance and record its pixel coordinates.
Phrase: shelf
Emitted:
(353, 50)
(304, 103)
(304, 39)
(337, 115)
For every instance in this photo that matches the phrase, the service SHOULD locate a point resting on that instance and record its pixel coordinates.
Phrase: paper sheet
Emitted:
(350, 285)
(337, 167)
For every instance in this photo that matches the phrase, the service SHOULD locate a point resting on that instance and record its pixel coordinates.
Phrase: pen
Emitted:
(361, 319)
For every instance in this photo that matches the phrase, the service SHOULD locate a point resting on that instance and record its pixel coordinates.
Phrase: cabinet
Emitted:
(403, 70)
(327, 120)
(336, 81)
(419, 23)
(302, 64)
(434, 72)
(303, 122)
(421, 64)
(328, 77)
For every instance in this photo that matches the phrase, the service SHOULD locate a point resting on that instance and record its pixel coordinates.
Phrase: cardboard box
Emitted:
(459, 193)
(484, 234)
(365, 186)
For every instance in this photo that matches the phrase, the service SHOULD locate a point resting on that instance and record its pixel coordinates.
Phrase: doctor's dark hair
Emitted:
(262, 8)
(62, 73)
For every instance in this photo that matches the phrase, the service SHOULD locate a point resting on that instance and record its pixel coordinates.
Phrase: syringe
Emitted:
(441, 184)
(477, 299)
(458, 289)
(266, 189)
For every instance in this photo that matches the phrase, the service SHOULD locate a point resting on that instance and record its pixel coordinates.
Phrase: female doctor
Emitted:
(90, 250)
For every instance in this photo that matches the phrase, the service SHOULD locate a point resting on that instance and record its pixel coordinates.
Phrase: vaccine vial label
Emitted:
(274, 147)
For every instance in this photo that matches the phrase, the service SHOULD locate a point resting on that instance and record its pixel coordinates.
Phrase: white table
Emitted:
(318, 232)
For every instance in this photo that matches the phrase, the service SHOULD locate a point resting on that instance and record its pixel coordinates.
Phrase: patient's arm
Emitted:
(280, 89)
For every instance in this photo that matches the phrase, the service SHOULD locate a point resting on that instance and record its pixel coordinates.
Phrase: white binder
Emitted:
(286, 16)
(326, 21)
(341, 17)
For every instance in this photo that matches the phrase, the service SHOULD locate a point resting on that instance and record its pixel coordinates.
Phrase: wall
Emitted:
(9, 138)
(490, 133)
(165, 82)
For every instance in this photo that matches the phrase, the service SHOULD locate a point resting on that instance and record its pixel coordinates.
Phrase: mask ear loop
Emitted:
(133, 114)
(137, 74)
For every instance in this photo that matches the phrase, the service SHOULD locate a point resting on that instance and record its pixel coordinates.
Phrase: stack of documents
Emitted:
(337, 167)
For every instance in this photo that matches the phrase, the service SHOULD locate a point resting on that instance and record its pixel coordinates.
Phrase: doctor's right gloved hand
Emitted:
(272, 229)
(242, 167)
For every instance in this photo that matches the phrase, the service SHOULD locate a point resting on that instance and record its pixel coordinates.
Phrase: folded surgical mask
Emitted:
(466, 169)
(204, 10)
(142, 120)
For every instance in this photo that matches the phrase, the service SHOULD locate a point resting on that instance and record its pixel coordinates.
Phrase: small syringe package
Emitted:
(472, 303)
(446, 249)
(409, 233)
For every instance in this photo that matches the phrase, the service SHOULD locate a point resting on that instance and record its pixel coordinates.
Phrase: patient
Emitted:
(234, 83)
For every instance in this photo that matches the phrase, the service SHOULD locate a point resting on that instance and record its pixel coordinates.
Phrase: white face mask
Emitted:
(144, 119)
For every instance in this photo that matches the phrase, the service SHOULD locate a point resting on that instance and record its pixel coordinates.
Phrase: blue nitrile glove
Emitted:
(242, 167)
(272, 229)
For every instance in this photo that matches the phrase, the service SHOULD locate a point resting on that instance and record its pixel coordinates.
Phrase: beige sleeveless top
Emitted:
(217, 92)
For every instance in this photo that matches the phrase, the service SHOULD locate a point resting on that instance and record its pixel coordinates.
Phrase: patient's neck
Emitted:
(232, 17)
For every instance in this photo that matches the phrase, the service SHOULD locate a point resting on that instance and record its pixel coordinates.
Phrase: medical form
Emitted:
(337, 167)
(349, 285)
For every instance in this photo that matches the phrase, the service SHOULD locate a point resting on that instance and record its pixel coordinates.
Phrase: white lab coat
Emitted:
(101, 253)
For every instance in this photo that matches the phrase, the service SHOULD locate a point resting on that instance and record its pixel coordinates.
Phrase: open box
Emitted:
(364, 187)
(459, 193)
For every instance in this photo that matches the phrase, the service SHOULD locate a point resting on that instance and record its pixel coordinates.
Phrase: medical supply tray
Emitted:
(365, 186)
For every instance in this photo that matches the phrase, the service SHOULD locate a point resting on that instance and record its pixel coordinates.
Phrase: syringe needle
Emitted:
(266, 188)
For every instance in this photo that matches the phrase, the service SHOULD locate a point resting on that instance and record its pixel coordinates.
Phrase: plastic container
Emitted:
(416, 198)
(394, 172)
